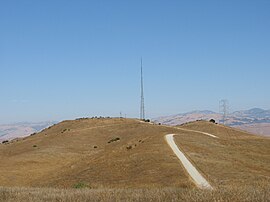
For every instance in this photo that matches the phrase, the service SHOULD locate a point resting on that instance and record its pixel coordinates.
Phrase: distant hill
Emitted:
(255, 120)
(18, 130)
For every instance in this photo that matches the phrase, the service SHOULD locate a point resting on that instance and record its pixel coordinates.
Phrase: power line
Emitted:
(224, 110)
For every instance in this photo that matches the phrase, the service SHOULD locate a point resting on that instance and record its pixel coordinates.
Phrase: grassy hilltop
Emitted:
(129, 160)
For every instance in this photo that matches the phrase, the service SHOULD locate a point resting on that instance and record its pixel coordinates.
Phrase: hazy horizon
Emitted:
(123, 115)
(63, 60)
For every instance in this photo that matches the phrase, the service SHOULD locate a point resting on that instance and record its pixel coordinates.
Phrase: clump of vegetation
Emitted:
(147, 120)
(80, 185)
(96, 117)
(83, 118)
(33, 134)
(95, 147)
(34, 145)
(129, 147)
(5, 141)
(114, 140)
(212, 121)
(65, 130)
(49, 127)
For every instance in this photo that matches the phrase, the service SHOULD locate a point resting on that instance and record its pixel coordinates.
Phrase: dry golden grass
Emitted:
(246, 193)
(138, 167)
(236, 158)
(65, 155)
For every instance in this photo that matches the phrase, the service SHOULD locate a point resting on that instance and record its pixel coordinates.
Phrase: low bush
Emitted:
(114, 140)
(80, 185)
(129, 147)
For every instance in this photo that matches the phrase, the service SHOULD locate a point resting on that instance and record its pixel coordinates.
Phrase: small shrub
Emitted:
(5, 141)
(80, 185)
(212, 121)
(95, 147)
(129, 147)
(114, 140)
(34, 145)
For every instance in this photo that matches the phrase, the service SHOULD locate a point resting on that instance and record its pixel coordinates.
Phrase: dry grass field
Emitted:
(235, 194)
(129, 160)
(78, 151)
(236, 158)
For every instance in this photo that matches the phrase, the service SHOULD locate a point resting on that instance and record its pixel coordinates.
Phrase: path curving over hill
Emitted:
(196, 131)
(199, 180)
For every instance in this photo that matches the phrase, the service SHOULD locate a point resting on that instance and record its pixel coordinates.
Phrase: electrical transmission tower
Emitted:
(224, 110)
(142, 112)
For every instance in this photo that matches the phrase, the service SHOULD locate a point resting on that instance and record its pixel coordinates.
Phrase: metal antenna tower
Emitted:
(224, 110)
(142, 112)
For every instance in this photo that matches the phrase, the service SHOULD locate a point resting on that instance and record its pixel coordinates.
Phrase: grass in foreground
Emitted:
(234, 159)
(247, 193)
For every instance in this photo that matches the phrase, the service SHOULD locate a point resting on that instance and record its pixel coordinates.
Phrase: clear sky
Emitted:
(62, 59)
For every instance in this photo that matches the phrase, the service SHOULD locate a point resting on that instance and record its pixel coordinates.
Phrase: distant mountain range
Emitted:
(18, 130)
(255, 120)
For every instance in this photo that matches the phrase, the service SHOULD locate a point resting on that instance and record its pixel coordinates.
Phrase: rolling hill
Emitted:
(255, 120)
(78, 151)
(131, 154)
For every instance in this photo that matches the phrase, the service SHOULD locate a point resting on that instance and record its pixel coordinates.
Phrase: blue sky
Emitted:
(62, 59)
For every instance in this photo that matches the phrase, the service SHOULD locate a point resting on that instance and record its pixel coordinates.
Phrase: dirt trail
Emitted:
(195, 131)
(199, 180)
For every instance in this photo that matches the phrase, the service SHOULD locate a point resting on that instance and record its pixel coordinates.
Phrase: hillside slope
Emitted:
(235, 158)
(130, 153)
(74, 152)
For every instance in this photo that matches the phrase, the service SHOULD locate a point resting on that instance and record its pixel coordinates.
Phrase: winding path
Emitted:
(199, 180)
(195, 131)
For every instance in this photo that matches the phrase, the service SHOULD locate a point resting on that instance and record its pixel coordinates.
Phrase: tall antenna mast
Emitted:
(142, 112)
